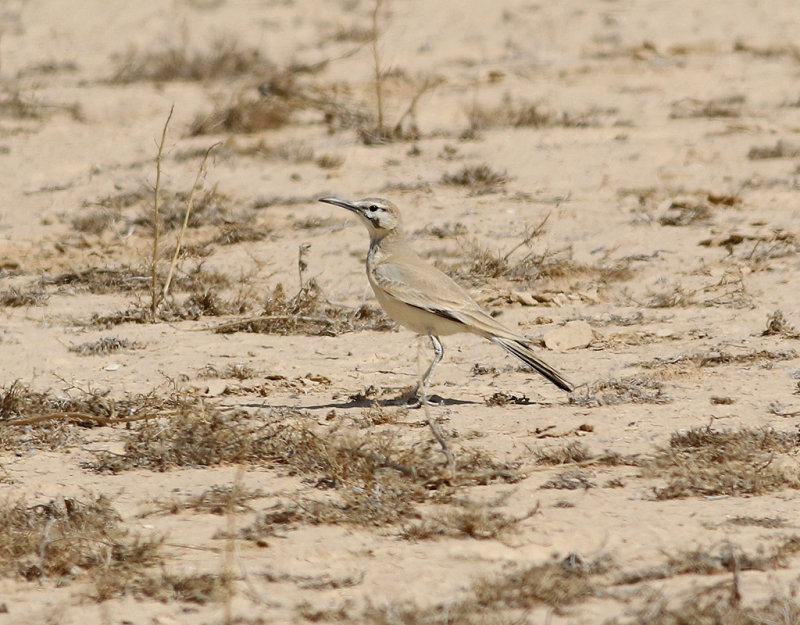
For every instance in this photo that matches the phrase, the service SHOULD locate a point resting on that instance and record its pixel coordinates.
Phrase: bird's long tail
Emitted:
(526, 355)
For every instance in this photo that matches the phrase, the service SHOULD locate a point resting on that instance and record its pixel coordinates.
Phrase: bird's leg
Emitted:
(419, 395)
(438, 352)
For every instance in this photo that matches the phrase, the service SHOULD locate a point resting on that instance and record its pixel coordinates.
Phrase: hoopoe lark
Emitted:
(418, 296)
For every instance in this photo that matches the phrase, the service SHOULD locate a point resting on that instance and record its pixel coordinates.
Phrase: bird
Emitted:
(424, 299)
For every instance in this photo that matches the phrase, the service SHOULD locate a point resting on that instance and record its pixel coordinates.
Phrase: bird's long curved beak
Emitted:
(343, 203)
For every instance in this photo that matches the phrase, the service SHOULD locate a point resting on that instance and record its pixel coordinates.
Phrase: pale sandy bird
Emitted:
(418, 296)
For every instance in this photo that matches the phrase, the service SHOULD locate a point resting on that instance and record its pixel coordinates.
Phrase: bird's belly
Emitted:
(419, 320)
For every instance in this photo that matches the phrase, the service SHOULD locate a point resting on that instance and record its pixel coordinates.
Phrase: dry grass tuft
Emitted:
(782, 149)
(613, 391)
(14, 104)
(69, 538)
(210, 207)
(557, 584)
(96, 221)
(685, 213)
(706, 462)
(717, 357)
(385, 503)
(468, 520)
(769, 522)
(572, 479)
(501, 398)
(777, 325)
(197, 434)
(443, 231)
(101, 280)
(726, 106)
(307, 312)
(721, 558)
(240, 232)
(482, 263)
(198, 588)
(17, 298)
(716, 605)
(19, 405)
(225, 59)
(571, 453)
(525, 115)
(730, 290)
(480, 179)
(129, 279)
(224, 499)
(104, 345)
(461, 612)
(493, 600)
(374, 479)
(245, 115)
(238, 371)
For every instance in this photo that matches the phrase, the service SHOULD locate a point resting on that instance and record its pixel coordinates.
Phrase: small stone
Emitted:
(571, 335)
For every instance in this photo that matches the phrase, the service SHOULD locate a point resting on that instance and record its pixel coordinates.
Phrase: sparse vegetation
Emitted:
(557, 584)
(308, 313)
(526, 115)
(568, 454)
(216, 500)
(132, 279)
(245, 115)
(104, 345)
(705, 462)
(239, 371)
(17, 298)
(719, 558)
(720, 603)
(777, 325)
(14, 104)
(467, 520)
(240, 232)
(683, 213)
(727, 106)
(226, 60)
(70, 538)
(782, 149)
(730, 290)
(482, 263)
(480, 179)
(718, 356)
(572, 479)
(293, 447)
(615, 391)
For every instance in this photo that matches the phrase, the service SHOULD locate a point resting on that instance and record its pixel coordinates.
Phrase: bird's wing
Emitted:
(417, 283)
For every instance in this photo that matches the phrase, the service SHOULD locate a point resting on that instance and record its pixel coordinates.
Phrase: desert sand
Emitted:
(617, 180)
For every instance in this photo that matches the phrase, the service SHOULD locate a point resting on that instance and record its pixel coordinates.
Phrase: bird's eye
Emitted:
(373, 208)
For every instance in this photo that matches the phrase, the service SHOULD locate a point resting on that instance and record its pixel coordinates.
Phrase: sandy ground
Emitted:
(661, 142)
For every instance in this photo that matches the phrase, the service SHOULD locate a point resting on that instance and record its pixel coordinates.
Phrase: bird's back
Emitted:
(397, 272)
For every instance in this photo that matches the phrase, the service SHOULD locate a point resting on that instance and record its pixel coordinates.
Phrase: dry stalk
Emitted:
(377, 63)
(229, 556)
(411, 111)
(156, 192)
(302, 265)
(189, 205)
(530, 235)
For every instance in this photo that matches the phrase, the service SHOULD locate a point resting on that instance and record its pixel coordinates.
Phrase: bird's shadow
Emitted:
(366, 402)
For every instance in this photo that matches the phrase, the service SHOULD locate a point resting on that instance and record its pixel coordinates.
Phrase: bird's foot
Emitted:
(413, 399)
(419, 402)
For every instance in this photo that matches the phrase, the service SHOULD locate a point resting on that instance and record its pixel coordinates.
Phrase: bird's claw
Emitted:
(417, 401)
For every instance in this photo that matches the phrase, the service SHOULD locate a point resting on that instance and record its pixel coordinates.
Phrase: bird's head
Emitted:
(380, 216)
